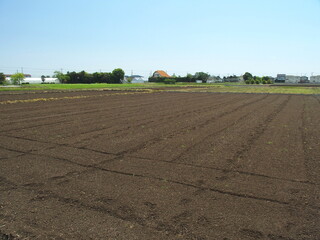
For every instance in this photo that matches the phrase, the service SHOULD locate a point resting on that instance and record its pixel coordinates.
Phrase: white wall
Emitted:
(38, 80)
(315, 79)
(292, 79)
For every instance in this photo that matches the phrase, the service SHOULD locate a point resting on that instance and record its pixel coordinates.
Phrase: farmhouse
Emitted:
(160, 73)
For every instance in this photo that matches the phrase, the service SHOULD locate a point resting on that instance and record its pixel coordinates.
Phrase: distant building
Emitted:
(315, 79)
(292, 79)
(25, 75)
(272, 79)
(233, 79)
(134, 79)
(281, 78)
(31, 80)
(160, 73)
(214, 79)
(304, 79)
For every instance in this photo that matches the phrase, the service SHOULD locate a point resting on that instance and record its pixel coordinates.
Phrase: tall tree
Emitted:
(61, 77)
(2, 78)
(247, 76)
(117, 75)
(202, 76)
(17, 78)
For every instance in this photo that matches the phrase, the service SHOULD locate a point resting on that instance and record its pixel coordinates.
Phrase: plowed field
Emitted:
(159, 165)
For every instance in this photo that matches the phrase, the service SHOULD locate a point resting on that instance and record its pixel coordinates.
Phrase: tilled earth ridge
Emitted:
(160, 166)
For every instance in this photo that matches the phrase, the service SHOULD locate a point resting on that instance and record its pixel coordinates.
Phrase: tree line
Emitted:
(250, 79)
(16, 79)
(202, 76)
(116, 76)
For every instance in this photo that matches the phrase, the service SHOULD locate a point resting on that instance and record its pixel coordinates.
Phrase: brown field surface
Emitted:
(159, 165)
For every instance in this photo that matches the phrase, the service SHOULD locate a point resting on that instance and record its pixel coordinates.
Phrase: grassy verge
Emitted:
(100, 86)
(261, 89)
(69, 86)
(190, 87)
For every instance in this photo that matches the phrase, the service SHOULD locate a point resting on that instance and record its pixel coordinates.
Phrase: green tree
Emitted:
(257, 79)
(265, 78)
(117, 75)
(129, 80)
(202, 76)
(43, 78)
(63, 78)
(17, 78)
(2, 78)
(169, 81)
(247, 76)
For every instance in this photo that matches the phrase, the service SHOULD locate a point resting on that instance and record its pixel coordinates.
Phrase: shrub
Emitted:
(170, 81)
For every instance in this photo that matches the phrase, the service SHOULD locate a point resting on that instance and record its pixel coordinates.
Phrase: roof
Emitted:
(136, 76)
(25, 75)
(162, 73)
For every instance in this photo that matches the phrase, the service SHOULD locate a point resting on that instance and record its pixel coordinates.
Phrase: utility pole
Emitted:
(21, 69)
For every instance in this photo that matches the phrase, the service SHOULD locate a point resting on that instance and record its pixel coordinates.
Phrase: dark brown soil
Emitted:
(160, 166)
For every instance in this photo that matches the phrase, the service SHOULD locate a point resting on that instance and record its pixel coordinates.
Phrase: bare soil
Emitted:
(159, 165)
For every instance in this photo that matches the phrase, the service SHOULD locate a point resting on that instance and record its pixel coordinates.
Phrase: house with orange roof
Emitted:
(160, 74)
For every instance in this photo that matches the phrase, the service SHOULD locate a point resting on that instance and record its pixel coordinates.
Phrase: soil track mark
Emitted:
(223, 129)
(259, 130)
(96, 167)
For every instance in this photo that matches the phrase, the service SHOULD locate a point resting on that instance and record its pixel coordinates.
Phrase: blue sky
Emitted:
(222, 37)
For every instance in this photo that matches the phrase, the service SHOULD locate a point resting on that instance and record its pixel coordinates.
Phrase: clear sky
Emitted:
(264, 37)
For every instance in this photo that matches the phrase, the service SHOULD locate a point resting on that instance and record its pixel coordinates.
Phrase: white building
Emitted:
(283, 78)
(31, 80)
(214, 79)
(134, 79)
(292, 79)
(315, 79)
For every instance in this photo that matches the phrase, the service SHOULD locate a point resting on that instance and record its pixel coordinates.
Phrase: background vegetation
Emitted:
(116, 76)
